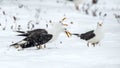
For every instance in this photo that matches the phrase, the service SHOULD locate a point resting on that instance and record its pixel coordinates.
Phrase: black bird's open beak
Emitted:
(67, 33)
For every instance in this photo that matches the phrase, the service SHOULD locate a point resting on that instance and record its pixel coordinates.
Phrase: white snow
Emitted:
(73, 52)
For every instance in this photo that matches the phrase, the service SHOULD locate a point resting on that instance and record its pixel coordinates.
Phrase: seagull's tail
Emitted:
(78, 35)
(82, 36)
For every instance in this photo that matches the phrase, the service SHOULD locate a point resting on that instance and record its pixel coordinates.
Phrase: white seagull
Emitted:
(93, 36)
(40, 37)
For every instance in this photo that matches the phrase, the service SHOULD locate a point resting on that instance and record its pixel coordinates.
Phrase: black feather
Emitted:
(87, 35)
(37, 40)
(40, 31)
(33, 38)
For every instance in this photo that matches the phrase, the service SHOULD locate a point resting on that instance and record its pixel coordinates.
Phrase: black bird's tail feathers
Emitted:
(23, 44)
(33, 40)
(22, 33)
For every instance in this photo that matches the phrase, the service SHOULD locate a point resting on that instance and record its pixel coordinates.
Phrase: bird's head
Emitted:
(99, 24)
(61, 27)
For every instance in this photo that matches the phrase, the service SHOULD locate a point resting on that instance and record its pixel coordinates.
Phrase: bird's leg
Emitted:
(39, 47)
(20, 48)
(44, 45)
(88, 44)
(93, 44)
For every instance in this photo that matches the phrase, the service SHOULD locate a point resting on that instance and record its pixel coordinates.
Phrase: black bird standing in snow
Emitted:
(93, 36)
(40, 37)
(33, 38)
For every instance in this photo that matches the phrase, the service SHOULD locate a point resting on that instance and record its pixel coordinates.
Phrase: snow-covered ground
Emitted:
(72, 52)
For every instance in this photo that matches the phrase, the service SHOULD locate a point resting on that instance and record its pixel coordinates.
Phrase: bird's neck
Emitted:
(55, 34)
(99, 29)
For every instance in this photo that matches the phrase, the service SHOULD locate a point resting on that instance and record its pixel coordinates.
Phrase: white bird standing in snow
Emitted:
(40, 37)
(93, 36)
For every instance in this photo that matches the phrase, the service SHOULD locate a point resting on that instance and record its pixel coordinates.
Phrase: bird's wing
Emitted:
(88, 35)
(39, 38)
(42, 39)
(40, 31)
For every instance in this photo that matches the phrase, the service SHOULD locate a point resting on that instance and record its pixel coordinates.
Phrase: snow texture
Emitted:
(64, 52)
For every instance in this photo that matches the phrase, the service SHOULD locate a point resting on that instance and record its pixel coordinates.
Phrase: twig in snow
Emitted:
(4, 28)
(30, 25)
(19, 27)
(71, 22)
(105, 15)
(37, 15)
(21, 6)
(117, 17)
(95, 12)
(14, 18)
(46, 25)
(4, 13)
(50, 21)
(12, 27)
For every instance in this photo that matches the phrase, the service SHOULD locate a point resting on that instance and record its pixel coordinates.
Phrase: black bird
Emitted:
(40, 37)
(33, 38)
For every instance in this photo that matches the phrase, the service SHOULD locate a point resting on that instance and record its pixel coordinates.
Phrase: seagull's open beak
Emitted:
(68, 34)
